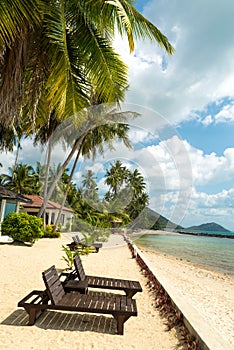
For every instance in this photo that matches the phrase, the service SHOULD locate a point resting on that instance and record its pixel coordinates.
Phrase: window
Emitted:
(62, 219)
(9, 208)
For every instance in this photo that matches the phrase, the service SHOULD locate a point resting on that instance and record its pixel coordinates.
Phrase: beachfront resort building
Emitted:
(51, 212)
(10, 201)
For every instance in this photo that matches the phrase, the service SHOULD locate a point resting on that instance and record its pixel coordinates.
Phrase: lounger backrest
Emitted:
(76, 239)
(53, 285)
(79, 268)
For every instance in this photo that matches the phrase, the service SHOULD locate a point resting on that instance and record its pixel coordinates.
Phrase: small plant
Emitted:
(22, 227)
(50, 233)
(69, 256)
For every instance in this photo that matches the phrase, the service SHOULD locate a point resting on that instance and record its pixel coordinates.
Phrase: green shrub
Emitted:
(22, 227)
(49, 232)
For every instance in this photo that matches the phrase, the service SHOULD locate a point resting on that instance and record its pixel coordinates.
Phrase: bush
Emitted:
(49, 232)
(22, 227)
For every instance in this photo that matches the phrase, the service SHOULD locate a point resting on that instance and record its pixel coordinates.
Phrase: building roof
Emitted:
(36, 202)
(5, 193)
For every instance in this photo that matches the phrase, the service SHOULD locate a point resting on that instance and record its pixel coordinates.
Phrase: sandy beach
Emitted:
(21, 269)
(211, 294)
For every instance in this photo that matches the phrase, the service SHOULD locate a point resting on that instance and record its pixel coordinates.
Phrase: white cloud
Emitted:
(216, 207)
(139, 135)
(207, 120)
(96, 168)
(226, 114)
(102, 187)
(210, 168)
(7, 160)
(200, 71)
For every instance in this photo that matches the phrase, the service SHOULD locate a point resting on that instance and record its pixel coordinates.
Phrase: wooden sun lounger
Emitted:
(75, 280)
(55, 298)
(77, 243)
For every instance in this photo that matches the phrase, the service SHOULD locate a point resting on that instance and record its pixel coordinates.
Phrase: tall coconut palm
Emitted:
(90, 186)
(22, 179)
(53, 52)
(127, 190)
(116, 177)
(137, 183)
(140, 197)
(93, 141)
(100, 126)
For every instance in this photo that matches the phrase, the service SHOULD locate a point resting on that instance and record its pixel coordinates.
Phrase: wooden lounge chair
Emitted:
(78, 276)
(77, 243)
(55, 298)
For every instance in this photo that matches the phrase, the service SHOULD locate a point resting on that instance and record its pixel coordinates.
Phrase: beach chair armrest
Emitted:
(34, 297)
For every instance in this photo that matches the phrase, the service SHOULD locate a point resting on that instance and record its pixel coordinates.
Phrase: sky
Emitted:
(184, 140)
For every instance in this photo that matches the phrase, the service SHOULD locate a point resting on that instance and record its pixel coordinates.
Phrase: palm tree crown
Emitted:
(54, 54)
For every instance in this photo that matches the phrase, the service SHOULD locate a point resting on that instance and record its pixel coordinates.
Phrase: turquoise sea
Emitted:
(214, 253)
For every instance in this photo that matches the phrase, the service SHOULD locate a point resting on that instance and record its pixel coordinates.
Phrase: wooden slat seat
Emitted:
(55, 298)
(129, 287)
(78, 244)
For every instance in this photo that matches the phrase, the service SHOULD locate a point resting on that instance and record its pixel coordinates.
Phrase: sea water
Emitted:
(214, 253)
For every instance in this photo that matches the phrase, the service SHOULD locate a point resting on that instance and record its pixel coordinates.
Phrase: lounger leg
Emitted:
(120, 323)
(32, 316)
(129, 293)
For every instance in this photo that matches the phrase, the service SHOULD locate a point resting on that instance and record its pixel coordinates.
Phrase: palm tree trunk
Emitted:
(17, 153)
(48, 158)
(60, 172)
(67, 189)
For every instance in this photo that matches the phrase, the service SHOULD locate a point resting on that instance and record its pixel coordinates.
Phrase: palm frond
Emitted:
(134, 24)
(104, 68)
(66, 84)
(129, 21)
(16, 17)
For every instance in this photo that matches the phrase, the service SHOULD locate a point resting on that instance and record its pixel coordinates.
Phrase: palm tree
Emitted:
(89, 185)
(57, 55)
(93, 141)
(140, 198)
(126, 187)
(136, 181)
(54, 53)
(116, 178)
(100, 126)
(22, 179)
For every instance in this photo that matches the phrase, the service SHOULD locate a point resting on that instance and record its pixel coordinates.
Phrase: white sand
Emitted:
(21, 269)
(210, 294)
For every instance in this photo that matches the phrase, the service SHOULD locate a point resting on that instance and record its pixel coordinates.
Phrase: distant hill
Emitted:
(210, 226)
(150, 219)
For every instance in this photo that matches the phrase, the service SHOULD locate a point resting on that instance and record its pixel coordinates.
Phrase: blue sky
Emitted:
(189, 166)
(194, 91)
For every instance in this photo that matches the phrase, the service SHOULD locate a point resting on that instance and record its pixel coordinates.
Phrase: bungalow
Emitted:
(52, 210)
(10, 202)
